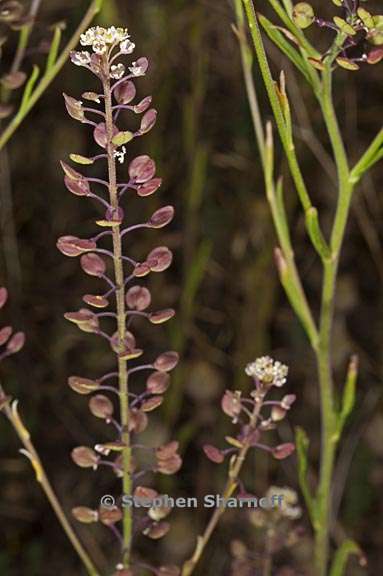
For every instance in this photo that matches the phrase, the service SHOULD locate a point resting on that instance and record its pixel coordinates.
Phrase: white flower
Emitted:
(100, 38)
(99, 47)
(80, 58)
(268, 371)
(120, 155)
(127, 47)
(288, 507)
(117, 71)
(136, 70)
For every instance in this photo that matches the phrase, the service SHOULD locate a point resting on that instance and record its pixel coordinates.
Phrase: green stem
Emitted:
(50, 75)
(121, 323)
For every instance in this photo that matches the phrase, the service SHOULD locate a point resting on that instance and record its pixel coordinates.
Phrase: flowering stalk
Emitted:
(107, 46)
(361, 33)
(249, 413)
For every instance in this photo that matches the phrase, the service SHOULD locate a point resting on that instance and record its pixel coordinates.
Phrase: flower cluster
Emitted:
(102, 256)
(359, 33)
(255, 414)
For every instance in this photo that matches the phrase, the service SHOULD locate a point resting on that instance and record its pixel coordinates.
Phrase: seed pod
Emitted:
(278, 413)
(74, 108)
(161, 316)
(125, 92)
(3, 296)
(138, 298)
(73, 246)
(141, 270)
(14, 80)
(162, 217)
(101, 407)
(213, 453)
(231, 403)
(142, 169)
(83, 386)
(149, 187)
(96, 301)
(93, 264)
(166, 361)
(85, 515)
(167, 450)
(85, 457)
(158, 513)
(16, 343)
(148, 121)
(303, 15)
(143, 105)
(100, 134)
(152, 403)
(157, 530)
(159, 259)
(86, 320)
(5, 333)
(158, 382)
(138, 421)
(109, 516)
(170, 465)
(283, 451)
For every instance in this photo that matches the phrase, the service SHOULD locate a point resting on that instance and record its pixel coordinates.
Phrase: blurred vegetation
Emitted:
(223, 284)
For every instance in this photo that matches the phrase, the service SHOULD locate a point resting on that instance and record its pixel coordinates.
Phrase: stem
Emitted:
(230, 486)
(50, 75)
(121, 323)
(43, 480)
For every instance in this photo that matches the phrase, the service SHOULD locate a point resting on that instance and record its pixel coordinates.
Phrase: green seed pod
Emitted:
(303, 15)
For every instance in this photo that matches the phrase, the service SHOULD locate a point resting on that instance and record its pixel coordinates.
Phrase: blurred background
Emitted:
(230, 307)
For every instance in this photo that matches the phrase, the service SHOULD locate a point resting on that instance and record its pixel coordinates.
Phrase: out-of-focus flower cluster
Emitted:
(256, 414)
(359, 34)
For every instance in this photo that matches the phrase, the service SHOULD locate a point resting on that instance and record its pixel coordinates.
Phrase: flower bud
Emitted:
(166, 361)
(142, 169)
(162, 217)
(213, 453)
(101, 407)
(138, 298)
(85, 457)
(93, 265)
(158, 382)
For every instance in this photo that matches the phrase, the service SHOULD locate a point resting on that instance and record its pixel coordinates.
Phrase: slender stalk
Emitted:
(121, 322)
(25, 33)
(50, 75)
(41, 476)
(230, 486)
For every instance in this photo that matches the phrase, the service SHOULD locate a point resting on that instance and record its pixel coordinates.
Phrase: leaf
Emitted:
(122, 138)
(54, 48)
(81, 159)
(347, 549)
(302, 446)
(316, 235)
(279, 40)
(28, 90)
(349, 393)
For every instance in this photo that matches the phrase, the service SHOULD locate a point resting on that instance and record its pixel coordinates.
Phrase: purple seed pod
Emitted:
(123, 302)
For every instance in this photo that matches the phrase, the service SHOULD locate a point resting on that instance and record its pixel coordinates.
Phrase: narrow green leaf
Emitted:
(302, 446)
(28, 90)
(54, 48)
(347, 549)
(284, 45)
(316, 236)
(349, 393)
